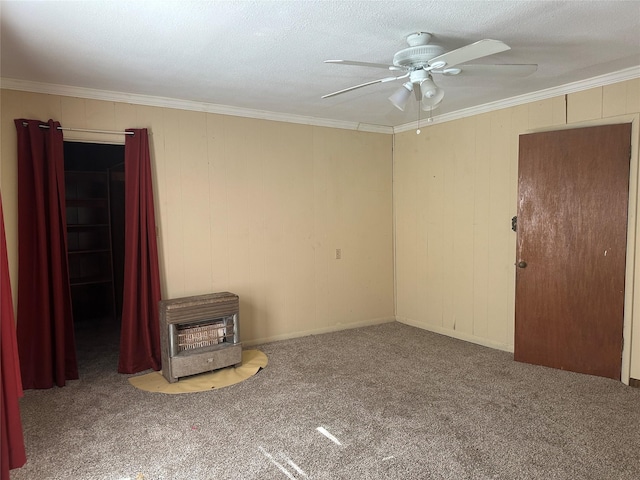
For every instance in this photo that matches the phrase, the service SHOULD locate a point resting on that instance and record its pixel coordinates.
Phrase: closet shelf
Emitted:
(86, 226)
(89, 243)
(89, 280)
(89, 251)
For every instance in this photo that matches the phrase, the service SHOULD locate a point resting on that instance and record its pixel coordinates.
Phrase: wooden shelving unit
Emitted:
(90, 243)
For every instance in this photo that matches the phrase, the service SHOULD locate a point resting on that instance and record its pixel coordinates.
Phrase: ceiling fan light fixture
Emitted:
(400, 97)
(430, 91)
(432, 95)
(429, 107)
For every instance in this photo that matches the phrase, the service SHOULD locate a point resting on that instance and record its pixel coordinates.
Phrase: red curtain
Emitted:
(12, 440)
(140, 335)
(46, 342)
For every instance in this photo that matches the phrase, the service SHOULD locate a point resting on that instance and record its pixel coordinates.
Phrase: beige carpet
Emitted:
(404, 404)
(252, 362)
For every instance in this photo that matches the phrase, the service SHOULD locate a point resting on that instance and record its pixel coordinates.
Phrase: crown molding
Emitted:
(599, 81)
(164, 102)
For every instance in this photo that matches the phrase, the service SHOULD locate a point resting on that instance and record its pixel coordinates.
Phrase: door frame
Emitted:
(632, 268)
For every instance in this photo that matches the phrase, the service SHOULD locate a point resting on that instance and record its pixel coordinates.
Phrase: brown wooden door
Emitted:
(573, 189)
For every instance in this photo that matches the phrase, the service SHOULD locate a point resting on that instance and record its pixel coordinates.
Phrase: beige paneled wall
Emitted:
(455, 191)
(251, 206)
(259, 207)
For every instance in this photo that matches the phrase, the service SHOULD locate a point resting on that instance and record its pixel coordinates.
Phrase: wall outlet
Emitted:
(338, 253)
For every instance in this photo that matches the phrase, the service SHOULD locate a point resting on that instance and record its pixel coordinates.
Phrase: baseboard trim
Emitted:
(459, 335)
(319, 331)
(634, 382)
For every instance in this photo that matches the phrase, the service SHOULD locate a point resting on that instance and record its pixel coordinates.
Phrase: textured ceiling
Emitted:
(268, 55)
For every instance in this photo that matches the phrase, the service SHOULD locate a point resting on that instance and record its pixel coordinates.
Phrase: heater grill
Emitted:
(191, 337)
(199, 334)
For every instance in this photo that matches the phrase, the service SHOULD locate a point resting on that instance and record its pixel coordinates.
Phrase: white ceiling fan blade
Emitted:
(380, 80)
(503, 70)
(470, 52)
(365, 64)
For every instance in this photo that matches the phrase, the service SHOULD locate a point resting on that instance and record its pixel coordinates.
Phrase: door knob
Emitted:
(522, 264)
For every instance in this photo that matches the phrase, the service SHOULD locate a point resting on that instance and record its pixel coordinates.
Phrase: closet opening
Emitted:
(94, 186)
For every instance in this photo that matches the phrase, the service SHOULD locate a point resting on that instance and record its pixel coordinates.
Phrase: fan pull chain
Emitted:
(418, 129)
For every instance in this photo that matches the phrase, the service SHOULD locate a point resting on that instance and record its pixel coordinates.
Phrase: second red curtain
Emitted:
(140, 336)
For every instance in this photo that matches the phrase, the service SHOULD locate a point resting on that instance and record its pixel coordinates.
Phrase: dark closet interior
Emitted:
(94, 185)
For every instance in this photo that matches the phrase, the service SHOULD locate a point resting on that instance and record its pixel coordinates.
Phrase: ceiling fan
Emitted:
(420, 60)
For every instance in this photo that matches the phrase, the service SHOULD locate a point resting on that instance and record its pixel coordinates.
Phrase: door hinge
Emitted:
(514, 224)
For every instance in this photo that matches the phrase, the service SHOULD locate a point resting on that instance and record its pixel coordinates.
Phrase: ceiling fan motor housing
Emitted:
(417, 56)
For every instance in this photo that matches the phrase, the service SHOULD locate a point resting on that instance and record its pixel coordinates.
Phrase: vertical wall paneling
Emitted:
(481, 232)
(73, 112)
(172, 206)
(219, 198)
(10, 109)
(128, 116)
(633, 95)
(499, 223)
(422, 228)
(193, 184)
(259, 208)
(431, 294)
(250, 206)
(321, 246)
(297, 180)
(101, 114)
(614, 99)
(621, 98)
(478, 189)
(463, 284)
(584, 105)
(406, 203)
(463, 196)
(447, 264)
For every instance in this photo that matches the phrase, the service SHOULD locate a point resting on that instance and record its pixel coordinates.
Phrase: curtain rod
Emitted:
(24, 124)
